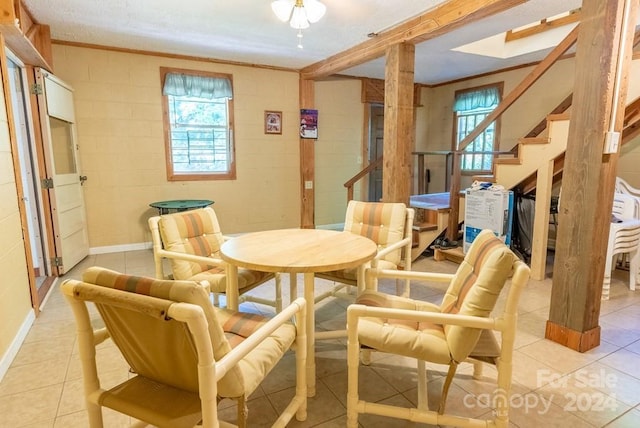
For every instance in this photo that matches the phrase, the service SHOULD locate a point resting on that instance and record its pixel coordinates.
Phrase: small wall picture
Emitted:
(308, 123)
(273, 122)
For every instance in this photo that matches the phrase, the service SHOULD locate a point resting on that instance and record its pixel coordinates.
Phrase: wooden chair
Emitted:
(460, 329)
(389, 225)
(184, 353)
(191, 240)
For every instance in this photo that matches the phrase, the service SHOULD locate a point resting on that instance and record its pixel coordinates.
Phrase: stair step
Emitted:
(487, 178)
(508, 161)
(423, 227)
(453, 255)
(559, 116)
(534, 140)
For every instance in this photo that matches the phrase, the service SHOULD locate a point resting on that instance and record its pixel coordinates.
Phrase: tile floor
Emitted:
(553, 385)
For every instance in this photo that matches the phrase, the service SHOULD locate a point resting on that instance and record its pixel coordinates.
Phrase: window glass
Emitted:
(472, 107)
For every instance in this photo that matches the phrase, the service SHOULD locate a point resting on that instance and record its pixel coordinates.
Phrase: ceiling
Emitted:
(247, 31)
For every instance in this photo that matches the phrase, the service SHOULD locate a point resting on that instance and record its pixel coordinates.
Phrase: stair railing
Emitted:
(366, 170)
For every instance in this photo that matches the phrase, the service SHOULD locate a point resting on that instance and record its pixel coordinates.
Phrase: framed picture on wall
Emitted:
(308, 123)
(272, 122)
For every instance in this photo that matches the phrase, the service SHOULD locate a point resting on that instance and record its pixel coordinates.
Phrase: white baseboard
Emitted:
(121, 248)
(12, 351)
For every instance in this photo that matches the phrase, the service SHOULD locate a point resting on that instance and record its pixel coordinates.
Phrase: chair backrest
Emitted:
(624, 187)
(194, 232)
(385, 223)
(476, 286)
(155, 348)
(625, 206)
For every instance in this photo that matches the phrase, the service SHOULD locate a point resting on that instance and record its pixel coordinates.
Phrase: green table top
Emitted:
(181, 204)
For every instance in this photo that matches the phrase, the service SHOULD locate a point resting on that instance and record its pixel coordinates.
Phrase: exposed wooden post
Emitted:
(307, 162)
(399, 131)
(589, 175)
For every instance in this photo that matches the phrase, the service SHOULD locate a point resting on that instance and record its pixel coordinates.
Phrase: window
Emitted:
(470, 108)
(198, 112)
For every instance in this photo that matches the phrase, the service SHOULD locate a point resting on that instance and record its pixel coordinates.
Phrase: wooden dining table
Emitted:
(305, 251)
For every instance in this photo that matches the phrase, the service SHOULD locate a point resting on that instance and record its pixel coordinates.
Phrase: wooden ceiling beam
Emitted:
(433, 23)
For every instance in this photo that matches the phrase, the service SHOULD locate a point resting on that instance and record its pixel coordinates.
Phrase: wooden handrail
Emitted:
(530, 79)
(366, 170)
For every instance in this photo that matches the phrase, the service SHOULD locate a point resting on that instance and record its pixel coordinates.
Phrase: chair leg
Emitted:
(353, 355)
(477, 369)
(365, 356)
(453, 365)
(423, 396)
(634, 265)
(293, 287)
(278, 304)
(606, 283)
(243, 411)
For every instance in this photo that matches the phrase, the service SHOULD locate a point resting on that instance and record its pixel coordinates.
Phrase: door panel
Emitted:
(61, 158)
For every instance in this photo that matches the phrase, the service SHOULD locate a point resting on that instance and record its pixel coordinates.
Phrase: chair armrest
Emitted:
(297, 307)
(396, 246)
(356, 311)
(190, 257)
(410, 274)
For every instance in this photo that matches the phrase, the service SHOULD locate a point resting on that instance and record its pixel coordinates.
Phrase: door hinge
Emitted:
(36, 89)
(56, 261)
(47, 183)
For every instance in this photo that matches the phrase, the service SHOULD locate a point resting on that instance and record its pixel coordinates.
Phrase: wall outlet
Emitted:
(308, 185)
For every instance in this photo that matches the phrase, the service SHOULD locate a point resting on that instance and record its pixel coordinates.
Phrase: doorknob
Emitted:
(83, 178)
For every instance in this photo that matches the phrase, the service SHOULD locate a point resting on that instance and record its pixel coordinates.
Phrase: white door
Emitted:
(61, 159)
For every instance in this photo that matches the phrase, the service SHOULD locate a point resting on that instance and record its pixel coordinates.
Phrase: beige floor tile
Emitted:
(33, 376)
(533, 410)
(618, 335)
(561, 358)
(631, 419)
(323, 407)
(31, 407)
(634, 347)
(624, 359)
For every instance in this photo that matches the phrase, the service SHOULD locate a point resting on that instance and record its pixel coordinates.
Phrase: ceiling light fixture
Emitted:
(299, 13)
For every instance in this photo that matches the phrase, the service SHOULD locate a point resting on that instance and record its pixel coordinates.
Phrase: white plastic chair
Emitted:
(625, 188)
(624, 237)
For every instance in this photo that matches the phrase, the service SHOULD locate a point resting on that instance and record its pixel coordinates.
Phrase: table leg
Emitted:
(311, 328)
(232, 287)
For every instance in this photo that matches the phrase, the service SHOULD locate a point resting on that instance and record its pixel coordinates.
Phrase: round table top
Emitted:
(298, 250)
(181, 204)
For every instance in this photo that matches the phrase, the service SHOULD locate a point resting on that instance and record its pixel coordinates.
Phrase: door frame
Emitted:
(17, 170)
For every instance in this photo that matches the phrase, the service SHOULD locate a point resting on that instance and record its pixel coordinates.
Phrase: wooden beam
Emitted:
(589, 175)
(307, 161)
(433, 23)
(399, 130)
(545, 25)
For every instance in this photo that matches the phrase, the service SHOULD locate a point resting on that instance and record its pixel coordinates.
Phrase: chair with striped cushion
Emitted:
(191, 240)
(459, 329)
(184, 353)
(389, 225)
